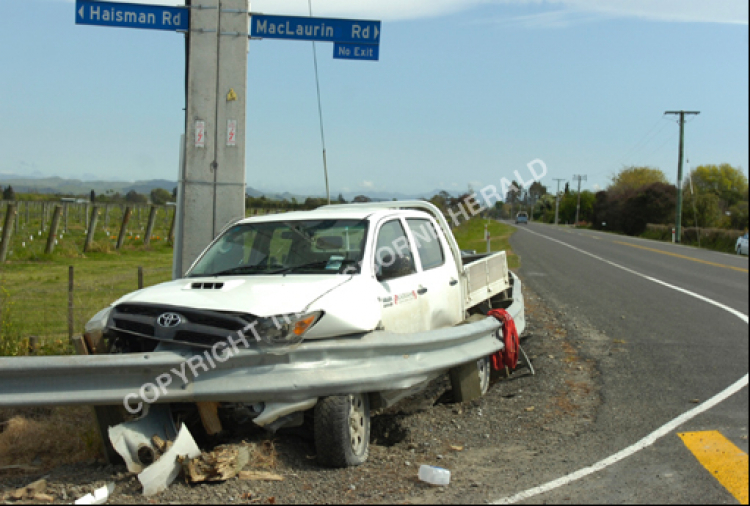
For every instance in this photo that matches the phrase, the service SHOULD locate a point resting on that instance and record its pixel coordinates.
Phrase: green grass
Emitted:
(34, 294)
(470, 235)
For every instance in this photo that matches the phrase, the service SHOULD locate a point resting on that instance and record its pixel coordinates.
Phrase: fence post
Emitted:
(171, 227)
(7, 231)
(123, 227)
(150, 226)
(71, 323)
(92, 228)
(106, 216)
(53, 230)
(26, 205)
(140, 277)
(33, 345)
(18, 208)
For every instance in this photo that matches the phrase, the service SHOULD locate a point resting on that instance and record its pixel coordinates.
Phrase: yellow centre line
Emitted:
(682, 256)
(727, 463)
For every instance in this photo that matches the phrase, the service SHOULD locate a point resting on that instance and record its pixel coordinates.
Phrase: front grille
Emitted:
(199, 327)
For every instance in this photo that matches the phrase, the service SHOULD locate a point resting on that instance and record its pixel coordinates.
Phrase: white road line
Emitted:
(658, 433)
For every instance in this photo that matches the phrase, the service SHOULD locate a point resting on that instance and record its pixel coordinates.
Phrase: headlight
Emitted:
(98, 322)
(285, 330)
(94, 330)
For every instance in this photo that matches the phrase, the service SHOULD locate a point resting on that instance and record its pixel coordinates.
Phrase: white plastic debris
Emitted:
(159, 475)
(99, 496)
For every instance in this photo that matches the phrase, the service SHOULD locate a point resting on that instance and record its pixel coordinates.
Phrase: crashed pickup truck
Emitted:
(318, 316)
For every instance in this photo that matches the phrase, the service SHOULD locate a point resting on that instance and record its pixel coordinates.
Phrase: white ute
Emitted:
(318, 315)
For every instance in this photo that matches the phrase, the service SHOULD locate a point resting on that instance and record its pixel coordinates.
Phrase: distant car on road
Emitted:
(522, 217)
(741, 247)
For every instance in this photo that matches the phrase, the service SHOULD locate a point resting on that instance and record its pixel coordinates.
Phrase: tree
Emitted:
(654, 203)
(341, 199)
(362, 198)
(92, 197)
(135, 197)
(9, 194)
(160, 196)
(633, 178)
(567, 188)
(724, 181)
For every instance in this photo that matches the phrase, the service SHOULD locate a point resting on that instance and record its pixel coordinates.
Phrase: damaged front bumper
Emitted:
(379, 363)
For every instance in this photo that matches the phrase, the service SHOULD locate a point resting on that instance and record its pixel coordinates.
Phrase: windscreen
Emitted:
(283, 247)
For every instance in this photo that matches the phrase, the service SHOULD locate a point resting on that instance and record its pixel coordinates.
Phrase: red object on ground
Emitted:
(508, 356)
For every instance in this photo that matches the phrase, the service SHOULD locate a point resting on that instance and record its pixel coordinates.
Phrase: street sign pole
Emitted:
(213, 186)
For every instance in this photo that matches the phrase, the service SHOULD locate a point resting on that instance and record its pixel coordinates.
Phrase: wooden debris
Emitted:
(260, 476)
(223, 463)
(28, 492)
(43, 498)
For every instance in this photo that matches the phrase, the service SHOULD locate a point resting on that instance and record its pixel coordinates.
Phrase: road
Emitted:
(661, 352)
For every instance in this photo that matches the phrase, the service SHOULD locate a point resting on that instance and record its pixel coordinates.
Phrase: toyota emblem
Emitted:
(169, 320)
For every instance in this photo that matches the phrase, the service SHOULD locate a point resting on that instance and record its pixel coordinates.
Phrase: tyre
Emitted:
(342, 430)
(485, 370)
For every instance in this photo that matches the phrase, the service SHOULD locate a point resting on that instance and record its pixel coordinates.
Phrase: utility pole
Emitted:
(578, 205)
(211, 187)
(557, 198)
(678, 217)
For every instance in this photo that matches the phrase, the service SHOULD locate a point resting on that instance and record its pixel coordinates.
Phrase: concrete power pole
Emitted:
(211, 190)
(678, 217)
(557, 199)
(578, 204)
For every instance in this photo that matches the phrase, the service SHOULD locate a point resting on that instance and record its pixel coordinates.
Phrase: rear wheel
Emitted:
(342, 430)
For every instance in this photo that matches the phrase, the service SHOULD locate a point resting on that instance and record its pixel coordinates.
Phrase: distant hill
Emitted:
(58, 185)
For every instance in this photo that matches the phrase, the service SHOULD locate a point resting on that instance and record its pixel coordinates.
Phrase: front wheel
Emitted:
(342, 430)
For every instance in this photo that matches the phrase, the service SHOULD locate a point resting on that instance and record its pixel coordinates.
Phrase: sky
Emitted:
(465, 93)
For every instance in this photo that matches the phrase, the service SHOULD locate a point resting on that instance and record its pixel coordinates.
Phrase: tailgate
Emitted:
(485, 278)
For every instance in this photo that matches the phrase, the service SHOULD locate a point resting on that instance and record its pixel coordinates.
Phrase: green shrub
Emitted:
(717, 239)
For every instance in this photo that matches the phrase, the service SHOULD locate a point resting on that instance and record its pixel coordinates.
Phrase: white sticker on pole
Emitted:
(200, 134)
(231, 132)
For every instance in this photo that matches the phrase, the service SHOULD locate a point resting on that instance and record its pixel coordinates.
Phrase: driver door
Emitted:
(403, 307)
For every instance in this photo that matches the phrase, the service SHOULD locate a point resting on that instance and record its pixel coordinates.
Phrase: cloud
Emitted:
(367, 184)
(555, 13)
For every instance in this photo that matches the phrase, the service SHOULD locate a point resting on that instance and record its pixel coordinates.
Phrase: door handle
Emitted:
(422, 291)
(453, 282)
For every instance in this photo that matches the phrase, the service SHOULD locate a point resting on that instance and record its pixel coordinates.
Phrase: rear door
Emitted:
(439, 283)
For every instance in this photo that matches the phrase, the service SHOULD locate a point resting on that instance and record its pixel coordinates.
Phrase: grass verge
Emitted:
(470, 236)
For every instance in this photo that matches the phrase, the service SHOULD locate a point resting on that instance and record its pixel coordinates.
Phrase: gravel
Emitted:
(484, 443)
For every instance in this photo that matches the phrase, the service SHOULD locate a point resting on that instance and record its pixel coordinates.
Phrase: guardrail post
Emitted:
(140, 277)
(7, 231)
(53, 230)
(123, 227)
(92, 228)
(150, 226)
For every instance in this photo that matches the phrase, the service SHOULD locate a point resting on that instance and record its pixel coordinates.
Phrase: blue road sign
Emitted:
(356, 51)
(154, 17)
(317, 29)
